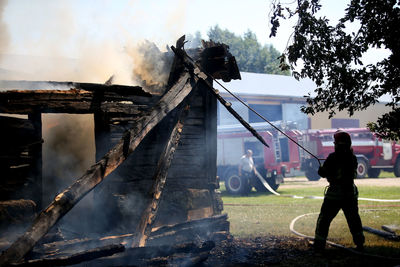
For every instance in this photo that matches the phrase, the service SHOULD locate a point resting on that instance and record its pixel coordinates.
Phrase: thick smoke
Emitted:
(68, 151)
(152, 66)
(4, 35)
(55, 45)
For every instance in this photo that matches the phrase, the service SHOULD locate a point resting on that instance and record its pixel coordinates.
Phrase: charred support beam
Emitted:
(35, 151)
(95, 175)
(124, 90)
(228, 106)
(67, 101)
(149, 214)
(202, 76)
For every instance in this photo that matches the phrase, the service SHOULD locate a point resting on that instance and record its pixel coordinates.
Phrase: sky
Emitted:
(68, 23)
(101, 34)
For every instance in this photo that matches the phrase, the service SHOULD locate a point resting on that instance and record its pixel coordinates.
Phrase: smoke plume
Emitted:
(67, 41)
(56, 43)
(152, 66)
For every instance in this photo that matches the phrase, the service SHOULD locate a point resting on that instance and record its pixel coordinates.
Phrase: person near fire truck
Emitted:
(246, 169)
(340, 171)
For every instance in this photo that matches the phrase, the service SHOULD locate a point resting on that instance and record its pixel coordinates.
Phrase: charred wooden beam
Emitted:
(189, 224)
(219, 62)
(149, 214)
(95, 175)
(213, 228)
(35, 151)
(123, 90)
(183, 232)
(174, 255)
(67, 101)
(76, 258)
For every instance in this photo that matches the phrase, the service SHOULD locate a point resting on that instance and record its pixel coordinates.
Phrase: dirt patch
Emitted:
(283, 251)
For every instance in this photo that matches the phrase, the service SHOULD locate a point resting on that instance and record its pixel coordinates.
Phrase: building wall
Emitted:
(287, 108)
(273, 108)
(371, 114)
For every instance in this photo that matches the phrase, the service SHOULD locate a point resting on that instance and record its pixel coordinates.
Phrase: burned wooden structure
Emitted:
(159, 149)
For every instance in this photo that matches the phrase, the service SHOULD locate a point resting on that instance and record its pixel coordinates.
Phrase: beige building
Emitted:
(279, 98)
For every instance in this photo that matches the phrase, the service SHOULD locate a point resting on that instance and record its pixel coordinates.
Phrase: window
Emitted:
(270, 112)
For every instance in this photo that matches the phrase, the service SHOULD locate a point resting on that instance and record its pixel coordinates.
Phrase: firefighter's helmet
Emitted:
(342, 138)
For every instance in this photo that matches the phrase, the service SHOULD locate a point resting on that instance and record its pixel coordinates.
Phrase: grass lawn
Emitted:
(261, 214)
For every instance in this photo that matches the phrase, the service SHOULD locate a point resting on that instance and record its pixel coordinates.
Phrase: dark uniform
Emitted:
(340, 170)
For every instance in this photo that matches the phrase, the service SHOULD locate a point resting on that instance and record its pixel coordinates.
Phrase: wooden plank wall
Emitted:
(20, 170)
(20, 167)
(190, 187)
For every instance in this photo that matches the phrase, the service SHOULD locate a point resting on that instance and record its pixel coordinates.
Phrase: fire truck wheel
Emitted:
(259, 186)
(397, 167)
(235, 184)
(312, 175)
(362, 168)
(373, 173)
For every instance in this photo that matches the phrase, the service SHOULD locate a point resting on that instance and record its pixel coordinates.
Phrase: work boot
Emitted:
(360, 247)
(319, 246)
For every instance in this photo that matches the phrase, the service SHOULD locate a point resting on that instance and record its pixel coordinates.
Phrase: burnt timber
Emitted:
(190, 187)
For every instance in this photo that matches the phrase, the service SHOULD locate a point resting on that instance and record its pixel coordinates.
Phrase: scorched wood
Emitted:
(66, 101)
(165, 255)
(76, 258)
(95, 175)
(150, 212)
(124, 90)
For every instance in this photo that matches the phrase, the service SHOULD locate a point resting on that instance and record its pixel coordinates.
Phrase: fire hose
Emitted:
(268, 187)
(310, 238)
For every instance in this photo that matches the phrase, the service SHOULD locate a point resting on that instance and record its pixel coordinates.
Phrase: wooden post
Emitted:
(35, 151)
(95, 175)
(210, 124)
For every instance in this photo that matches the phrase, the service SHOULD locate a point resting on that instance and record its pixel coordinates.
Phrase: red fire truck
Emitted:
(373, 153)
(282, 158)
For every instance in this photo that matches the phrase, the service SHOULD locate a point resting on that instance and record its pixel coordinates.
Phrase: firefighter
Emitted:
(246, 171)
(340, 171)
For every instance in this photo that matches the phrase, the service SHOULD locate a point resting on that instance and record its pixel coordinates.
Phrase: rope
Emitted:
(291, 227)
(250, 108)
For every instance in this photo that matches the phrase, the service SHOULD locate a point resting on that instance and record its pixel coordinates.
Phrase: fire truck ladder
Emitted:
(301, 151)
(277, 147)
